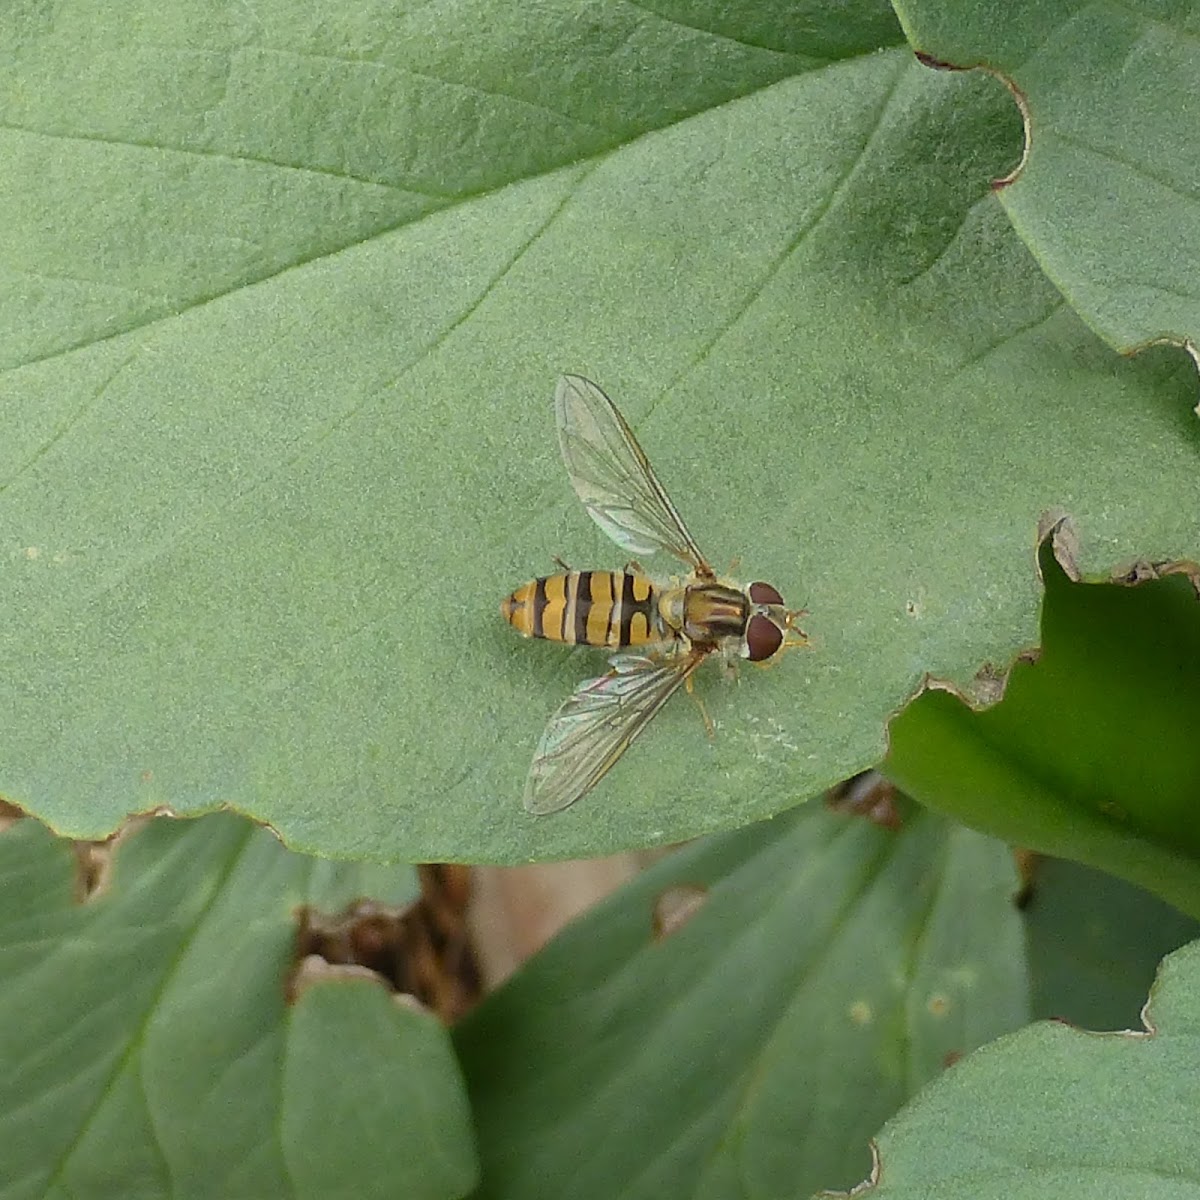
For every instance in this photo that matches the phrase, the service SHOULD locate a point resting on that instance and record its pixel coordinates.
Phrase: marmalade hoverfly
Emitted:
(672, 629)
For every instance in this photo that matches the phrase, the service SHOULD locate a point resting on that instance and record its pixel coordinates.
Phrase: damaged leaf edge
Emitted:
(894, 1129)
(1175, 340)
(1056, 529)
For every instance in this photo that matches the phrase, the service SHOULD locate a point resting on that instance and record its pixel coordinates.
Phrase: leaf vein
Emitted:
(230, 499)
(125, 1058)
(1011, 335)
(473, 89)
(1137, 168)
(226, 156)
(643, 7)
(776, 265)
(143, 321)
(64, 277)
(66, 426)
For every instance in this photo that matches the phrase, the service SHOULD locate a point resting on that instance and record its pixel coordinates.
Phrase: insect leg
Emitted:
(709, 728)
(794, 637)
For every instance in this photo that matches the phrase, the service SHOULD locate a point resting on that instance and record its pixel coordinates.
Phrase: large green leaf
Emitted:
(832, 968)
(1093, 751)
(1107, 194)
(148, 1050)
(276, 435)
(1053, 1111)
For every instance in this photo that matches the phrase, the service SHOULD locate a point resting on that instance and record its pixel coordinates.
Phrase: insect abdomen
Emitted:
(587, 608)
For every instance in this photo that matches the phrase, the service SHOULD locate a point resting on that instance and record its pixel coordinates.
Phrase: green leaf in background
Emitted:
(1052, 1111)
(1107, 196)
(1094, 943)
(148, 1049)
(276, 434)
(833, 967)
(1093, 753)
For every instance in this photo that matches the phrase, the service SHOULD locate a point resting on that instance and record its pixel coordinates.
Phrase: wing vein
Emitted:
(598, 722)
(614, 479)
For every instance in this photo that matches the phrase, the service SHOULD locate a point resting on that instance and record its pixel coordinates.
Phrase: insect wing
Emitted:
(613, 477)
(596, 724)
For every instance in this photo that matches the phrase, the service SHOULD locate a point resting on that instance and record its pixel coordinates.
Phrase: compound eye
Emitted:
(763, 637)
(764, 593)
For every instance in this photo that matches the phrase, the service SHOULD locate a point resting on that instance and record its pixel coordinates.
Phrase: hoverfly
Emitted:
(670, 629)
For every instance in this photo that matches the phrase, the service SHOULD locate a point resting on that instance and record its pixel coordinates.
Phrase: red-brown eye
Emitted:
(764, 593)
(763, 637)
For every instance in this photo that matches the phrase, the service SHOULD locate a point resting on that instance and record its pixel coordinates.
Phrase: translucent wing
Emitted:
(596, 724)
(614, 478)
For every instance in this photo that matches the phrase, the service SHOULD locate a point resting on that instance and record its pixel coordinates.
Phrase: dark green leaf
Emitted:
(1095, 943)
(1052, 1111)
(833, 967)
(148, 1049)
(1093, 752)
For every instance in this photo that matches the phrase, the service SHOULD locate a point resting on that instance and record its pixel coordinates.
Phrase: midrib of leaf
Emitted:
(134, 1043)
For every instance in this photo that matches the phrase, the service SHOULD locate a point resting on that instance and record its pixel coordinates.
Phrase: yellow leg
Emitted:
(709, 727)
(794, 637)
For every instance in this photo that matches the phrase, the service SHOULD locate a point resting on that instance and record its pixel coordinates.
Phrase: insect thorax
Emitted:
(714, 613)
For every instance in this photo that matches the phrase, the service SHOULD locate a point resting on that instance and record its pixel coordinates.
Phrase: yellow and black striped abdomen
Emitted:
(588, 608)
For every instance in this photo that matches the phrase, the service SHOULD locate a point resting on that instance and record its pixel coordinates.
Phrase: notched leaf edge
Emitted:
(1148, 1031)
(421, 952)
(938, 64)
(1057, 533)
(1176, 340)
(136, 817)
(93, 857)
